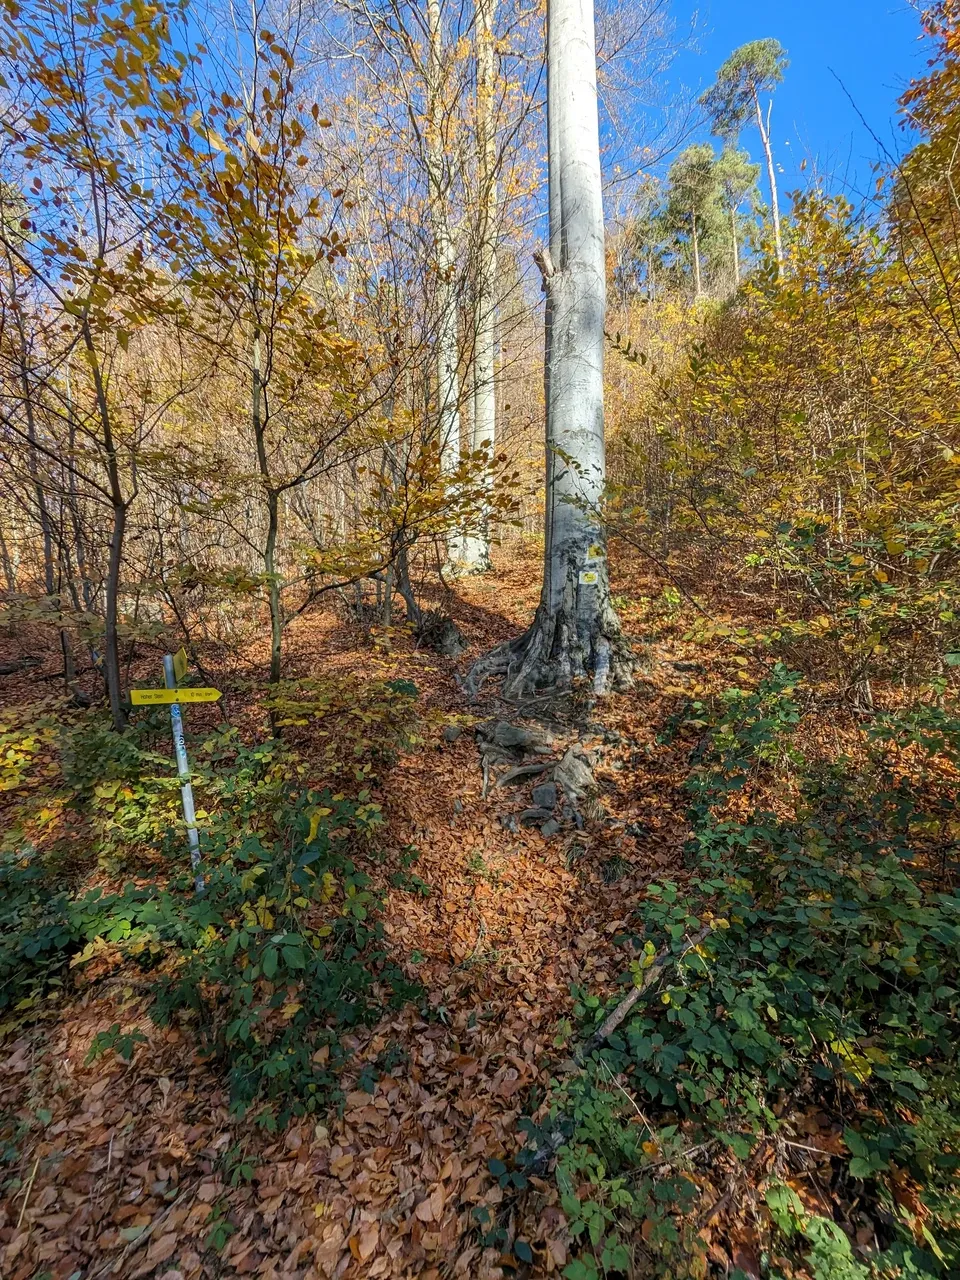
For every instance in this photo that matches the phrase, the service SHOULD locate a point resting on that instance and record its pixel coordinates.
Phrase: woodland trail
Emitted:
(135, 1168)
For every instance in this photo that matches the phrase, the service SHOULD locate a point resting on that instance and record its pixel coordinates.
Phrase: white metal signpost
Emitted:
(174, 669)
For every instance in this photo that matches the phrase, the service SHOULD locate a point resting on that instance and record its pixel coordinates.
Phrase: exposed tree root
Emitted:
(554, 653)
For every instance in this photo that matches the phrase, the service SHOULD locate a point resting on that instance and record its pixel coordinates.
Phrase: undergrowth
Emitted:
(805, 1050)
(269, 966)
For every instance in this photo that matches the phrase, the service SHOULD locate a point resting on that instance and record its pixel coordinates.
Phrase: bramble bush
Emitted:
(829, 984)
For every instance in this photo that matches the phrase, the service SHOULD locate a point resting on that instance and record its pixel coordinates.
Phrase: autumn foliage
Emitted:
(438, 1010)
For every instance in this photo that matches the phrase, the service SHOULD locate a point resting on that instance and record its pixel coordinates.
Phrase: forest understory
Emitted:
(131, 1161)
(507, 922)
(551, 542)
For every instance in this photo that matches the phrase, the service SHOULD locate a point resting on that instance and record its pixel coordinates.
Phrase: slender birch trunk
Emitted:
(575, 632)
(697, 280)
(771, 177)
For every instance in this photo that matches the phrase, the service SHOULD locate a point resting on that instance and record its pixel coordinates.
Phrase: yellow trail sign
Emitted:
(150, 697)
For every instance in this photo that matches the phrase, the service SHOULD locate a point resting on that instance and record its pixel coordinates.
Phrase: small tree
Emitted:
(84, 79)
(751, 70)
(737, 177)
(693, 207)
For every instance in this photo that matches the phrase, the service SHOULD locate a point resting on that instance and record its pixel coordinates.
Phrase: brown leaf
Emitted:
(369, 1239)
(162, 1249)
(748, 1262)
(437, 1201)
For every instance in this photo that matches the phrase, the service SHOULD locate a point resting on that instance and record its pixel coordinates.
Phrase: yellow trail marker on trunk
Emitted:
(149, 697)
(180, 664)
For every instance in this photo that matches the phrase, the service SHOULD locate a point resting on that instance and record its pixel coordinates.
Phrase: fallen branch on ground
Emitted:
(611, 1022)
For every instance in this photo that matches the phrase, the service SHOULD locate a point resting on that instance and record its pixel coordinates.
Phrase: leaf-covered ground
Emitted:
(140, 1170)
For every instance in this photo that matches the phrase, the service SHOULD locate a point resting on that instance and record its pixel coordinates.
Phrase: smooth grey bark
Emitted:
(448, 379)
(575, 632)
(764, 129)
(476, 547)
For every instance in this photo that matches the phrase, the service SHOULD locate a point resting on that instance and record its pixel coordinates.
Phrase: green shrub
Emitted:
(830, 981)
(279, 954)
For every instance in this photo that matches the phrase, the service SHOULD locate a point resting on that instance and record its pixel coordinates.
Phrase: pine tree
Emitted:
(751, 70)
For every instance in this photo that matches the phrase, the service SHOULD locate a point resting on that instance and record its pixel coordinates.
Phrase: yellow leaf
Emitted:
(315, 817)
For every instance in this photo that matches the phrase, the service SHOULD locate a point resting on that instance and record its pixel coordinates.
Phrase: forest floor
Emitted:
(126, 1169)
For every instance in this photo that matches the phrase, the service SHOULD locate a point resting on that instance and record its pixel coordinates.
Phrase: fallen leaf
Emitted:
(369, 1239)
(162, 1249)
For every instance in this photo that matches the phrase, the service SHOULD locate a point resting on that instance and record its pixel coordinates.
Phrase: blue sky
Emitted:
(873, 46)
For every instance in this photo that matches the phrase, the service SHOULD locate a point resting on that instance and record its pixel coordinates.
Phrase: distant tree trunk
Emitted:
(273, 589)
(476, 548)
(771, 177)
(111, 608)
(50, 571)
(50, 586)
(8, 570)
(736, 248)
(448, 381)
(272, 497)
(120, 506)
(575, 632)
(697, 280)
(79, 535)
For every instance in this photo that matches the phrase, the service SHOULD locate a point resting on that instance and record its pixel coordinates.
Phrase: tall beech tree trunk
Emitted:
(575, 632)
(476, 547)
(697, 279)
(771, 177)
(448, 380)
